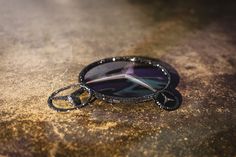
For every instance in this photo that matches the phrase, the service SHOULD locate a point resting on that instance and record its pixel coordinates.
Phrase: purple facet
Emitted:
(126, 79)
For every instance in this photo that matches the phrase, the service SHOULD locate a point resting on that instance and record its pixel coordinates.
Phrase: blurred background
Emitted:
(45, 43)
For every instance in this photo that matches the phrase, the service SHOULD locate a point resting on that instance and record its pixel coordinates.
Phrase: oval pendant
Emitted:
(125, 79)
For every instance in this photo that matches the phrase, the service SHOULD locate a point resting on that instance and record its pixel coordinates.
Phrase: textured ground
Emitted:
(45, 43)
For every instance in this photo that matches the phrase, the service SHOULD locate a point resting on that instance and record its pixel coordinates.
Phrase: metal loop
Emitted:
(71, 98)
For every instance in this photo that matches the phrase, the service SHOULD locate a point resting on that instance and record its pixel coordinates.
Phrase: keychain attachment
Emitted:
(73, 98)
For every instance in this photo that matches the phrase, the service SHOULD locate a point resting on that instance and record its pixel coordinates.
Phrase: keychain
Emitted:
(126, 79)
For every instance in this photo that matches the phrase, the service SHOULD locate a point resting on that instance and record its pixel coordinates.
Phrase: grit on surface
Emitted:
(45, 43)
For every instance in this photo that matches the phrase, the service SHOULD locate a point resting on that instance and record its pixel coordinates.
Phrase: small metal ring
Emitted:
(68, 98)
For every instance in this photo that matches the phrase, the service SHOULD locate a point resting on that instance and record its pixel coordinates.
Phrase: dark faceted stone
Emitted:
(126, 79)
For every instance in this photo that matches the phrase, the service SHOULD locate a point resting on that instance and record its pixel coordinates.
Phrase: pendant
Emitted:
(122, 80)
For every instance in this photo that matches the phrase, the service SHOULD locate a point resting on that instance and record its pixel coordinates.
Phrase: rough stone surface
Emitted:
(44, 44)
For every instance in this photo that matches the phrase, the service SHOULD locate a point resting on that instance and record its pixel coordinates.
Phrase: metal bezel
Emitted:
(113, 99)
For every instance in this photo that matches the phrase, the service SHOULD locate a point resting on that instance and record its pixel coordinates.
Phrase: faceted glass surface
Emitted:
(126, 79)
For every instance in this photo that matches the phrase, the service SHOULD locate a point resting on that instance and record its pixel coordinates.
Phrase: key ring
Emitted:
(128, 79)
(71, 98)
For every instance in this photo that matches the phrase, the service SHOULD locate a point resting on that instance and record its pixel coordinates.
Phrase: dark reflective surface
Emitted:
(169, 100)
(126, 79)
